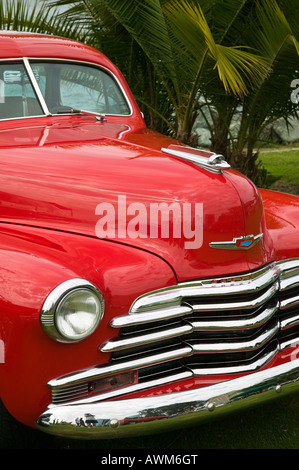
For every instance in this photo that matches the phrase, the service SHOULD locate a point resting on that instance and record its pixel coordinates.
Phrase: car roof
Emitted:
(15, 45)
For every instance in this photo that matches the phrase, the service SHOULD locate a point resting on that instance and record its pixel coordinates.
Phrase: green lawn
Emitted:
(281, 165)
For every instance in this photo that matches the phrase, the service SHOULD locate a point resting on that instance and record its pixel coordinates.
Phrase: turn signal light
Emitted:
(113, 382)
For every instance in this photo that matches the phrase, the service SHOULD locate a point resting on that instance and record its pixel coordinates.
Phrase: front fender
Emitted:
(32, 263)
(282, 220)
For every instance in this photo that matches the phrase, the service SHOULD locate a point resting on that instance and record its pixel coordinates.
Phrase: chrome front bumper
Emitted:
(149, 415)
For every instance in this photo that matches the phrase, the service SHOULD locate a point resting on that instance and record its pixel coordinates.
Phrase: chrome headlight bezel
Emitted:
(50, 313)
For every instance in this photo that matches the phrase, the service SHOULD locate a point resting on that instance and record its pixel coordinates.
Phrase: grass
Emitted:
(281, 165)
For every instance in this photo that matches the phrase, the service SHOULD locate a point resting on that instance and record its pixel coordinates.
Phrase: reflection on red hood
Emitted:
(56, 176)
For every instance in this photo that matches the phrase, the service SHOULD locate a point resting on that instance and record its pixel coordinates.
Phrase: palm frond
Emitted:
(235, 65)
(275, 29)
(22, 15)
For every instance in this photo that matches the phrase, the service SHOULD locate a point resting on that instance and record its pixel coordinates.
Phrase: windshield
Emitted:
(66, 87)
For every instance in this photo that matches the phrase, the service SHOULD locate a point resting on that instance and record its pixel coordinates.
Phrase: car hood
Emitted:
(106, 181)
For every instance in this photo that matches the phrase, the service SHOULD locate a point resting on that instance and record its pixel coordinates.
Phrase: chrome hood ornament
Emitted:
(205, 159)
(239, 243)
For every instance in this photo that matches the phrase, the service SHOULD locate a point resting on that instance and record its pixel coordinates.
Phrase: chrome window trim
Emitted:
(12, 59)
(36, 87)
(25, 117)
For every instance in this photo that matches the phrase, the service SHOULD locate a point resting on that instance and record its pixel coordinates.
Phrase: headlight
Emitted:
(72, 311)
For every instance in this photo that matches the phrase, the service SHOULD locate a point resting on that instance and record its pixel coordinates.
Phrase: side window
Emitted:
(17, 97)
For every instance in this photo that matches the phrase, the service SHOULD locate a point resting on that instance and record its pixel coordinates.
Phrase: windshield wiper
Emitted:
(69, 110)
(65, 110)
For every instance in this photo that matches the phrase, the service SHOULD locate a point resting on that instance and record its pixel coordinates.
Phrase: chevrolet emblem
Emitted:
(240, 243)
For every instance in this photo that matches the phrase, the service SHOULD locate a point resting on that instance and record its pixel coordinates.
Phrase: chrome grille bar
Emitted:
(291, 281)
(98, 372)
(244, 323)
(116, 345)
(196, 325)
(72, 393)
(129, 389)
(236, 369)
(237, 285)
(237, 305)
(237, 346)
(290, 321)
(151, 316)
(290, 302)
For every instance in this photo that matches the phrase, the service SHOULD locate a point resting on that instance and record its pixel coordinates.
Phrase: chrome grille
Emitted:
(234, 324)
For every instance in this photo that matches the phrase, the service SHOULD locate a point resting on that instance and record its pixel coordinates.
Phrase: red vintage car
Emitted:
(145, 285)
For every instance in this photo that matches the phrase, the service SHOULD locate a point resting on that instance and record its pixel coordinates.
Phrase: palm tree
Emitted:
(165, 46)
(185, 56)
(271, 27)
